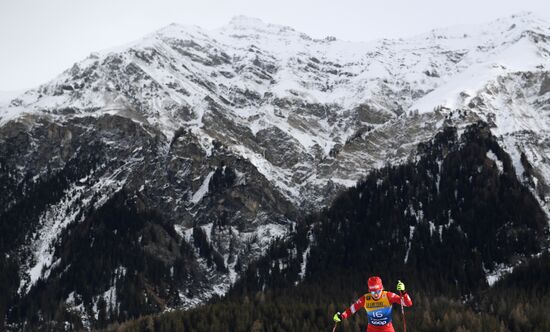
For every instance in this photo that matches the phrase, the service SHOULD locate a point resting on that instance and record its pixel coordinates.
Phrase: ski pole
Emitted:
(402, 313)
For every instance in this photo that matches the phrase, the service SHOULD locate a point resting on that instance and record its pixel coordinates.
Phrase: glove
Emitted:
(400, 286)
(337, 317)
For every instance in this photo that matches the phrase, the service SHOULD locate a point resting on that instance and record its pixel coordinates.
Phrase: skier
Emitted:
(378, 304)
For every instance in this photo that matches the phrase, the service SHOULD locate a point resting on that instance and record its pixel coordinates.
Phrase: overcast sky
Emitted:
(39, 39)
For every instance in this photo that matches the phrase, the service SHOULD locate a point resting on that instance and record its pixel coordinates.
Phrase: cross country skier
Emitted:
(378, 304)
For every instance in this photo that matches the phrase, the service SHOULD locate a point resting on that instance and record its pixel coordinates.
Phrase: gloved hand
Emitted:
(400, 286)
(337, 317)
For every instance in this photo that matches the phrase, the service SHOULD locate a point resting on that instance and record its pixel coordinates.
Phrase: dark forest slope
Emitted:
(441, 223)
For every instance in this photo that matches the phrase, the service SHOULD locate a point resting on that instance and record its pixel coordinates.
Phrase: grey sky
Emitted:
(39, 39)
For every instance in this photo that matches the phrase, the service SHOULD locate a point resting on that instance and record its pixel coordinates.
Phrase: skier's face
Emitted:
(376, 294)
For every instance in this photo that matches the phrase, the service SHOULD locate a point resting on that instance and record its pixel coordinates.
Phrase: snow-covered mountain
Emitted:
(230, 135)
(319, 95)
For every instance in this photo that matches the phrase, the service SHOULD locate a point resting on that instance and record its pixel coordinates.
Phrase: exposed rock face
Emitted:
(545, 85)
(216, 142)
(430, 217)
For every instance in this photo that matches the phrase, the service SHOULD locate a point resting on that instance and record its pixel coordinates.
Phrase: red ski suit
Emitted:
(379, 311)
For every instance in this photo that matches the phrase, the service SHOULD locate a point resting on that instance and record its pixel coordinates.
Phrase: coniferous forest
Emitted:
(440, 223)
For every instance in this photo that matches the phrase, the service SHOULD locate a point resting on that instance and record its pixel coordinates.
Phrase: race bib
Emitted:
(379, 311)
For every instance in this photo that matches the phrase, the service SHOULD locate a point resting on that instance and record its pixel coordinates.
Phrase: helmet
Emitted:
(375, 283)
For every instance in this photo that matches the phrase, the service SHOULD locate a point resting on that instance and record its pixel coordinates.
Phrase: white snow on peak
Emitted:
(483, 67)
(180, 31)
(481, 53)
(247, 22)
(170, 79)
(242, 26)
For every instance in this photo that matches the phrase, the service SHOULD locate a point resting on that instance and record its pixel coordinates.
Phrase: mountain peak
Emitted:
(525, 15)
(246, 21)
(177, 30)
(249, 24)
(526, 19)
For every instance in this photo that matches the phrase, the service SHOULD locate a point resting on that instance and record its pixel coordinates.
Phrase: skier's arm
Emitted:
(360, 303)
(394, 298)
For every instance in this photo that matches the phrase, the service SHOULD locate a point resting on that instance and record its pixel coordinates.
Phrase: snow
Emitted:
(240, 178)
(192, 302)
(345, 182)
(207, 228)
(500, 271)
(411, 234)
(432, 227)
(180, 230)
(274, 174)
(110, 298)
(491, 155)
(262, 237)
(203, 190)
(520, 54)
(305, 256)
(374, 73)
(78, 309)
(53, 222)
(58, 217)
(269, 232)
